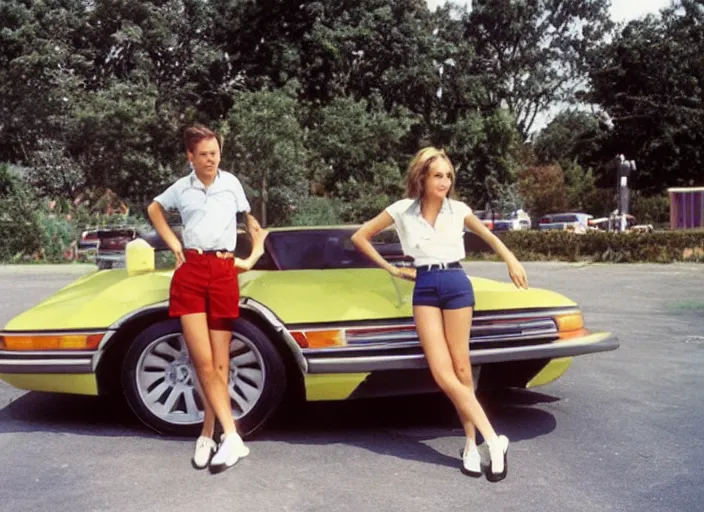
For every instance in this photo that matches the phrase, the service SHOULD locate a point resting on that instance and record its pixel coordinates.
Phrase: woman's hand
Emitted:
(258, 237)
(409, 274)
(517, 273)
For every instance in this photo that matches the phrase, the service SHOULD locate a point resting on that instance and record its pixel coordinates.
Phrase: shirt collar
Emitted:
(196, 183)
(414, 209)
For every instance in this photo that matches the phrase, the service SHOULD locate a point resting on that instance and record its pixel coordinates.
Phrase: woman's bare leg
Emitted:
(431, 330)
(457, 324)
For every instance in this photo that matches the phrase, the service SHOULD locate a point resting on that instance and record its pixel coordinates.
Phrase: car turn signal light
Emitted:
(570, 326)
(319, 339)
(51, 342)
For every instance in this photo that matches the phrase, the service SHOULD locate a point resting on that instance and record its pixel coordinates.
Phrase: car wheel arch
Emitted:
(294, 372)
(113, 353)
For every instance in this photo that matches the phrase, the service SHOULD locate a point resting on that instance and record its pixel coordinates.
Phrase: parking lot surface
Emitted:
(621, 431)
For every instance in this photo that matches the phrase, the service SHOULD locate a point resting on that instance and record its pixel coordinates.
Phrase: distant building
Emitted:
(686, 207)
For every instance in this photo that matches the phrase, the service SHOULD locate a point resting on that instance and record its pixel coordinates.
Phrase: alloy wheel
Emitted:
(166, 379)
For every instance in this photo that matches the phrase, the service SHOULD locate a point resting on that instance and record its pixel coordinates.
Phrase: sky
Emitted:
(621, 10)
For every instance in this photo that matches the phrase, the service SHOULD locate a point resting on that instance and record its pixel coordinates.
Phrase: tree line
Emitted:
(322, 103)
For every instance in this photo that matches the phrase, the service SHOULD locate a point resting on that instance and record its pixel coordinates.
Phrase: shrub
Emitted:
(18, 217)
(42, 230)
(651, 210)
(600, 246)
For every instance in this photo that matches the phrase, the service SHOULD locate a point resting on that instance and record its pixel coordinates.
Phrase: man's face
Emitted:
(206, 159)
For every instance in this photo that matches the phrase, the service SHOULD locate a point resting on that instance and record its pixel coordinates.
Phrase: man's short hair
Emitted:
(197, 133)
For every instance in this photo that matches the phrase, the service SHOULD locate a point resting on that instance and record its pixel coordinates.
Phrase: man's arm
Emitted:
(156, 215)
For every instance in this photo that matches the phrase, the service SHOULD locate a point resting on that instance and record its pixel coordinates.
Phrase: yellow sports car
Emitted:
(318, 322)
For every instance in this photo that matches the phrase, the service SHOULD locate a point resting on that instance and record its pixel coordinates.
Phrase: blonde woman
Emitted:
(430, 226)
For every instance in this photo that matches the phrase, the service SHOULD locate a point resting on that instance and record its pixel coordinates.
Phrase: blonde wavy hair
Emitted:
(418, 171)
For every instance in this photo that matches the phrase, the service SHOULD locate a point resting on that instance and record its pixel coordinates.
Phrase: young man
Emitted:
(204, 289)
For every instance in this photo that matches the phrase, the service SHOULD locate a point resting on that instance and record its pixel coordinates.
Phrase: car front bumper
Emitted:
(360, 363)
(52, 371)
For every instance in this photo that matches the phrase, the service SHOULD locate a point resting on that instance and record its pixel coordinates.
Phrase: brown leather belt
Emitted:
(222, 253)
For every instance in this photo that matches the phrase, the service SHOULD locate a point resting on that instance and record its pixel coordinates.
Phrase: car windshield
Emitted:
(328, 249)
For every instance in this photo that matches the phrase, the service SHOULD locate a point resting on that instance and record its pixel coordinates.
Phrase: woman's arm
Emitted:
(515, 269)
(251, 224)
(258, 236)
(362, 241)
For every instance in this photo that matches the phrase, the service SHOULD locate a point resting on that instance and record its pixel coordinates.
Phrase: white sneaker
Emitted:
(499, 459)
(471, 462)
(231, 450)
(205, 447)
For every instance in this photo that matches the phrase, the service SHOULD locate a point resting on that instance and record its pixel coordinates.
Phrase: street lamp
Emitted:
(624, 168)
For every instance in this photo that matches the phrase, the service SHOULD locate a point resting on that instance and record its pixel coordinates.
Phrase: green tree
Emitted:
(533, 53)
(649, 79)
(265, 143)
(485, 152)
(573, 136)
(358, 148)
(40, 72)
(543, 190)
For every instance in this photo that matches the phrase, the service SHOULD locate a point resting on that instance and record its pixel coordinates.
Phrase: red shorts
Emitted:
(206, 284)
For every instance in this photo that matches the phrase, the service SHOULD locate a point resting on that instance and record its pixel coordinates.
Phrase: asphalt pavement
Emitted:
(621, 431)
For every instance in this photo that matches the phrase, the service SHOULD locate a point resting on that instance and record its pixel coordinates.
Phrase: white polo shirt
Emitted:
(209, 215)
(426, 244)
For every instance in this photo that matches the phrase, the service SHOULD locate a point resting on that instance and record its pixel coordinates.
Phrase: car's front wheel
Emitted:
(158, 379)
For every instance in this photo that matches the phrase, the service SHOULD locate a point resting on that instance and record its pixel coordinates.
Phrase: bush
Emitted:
(651, 210)
(600, 246)
(58, 237)
(18, 217)
(43, 230)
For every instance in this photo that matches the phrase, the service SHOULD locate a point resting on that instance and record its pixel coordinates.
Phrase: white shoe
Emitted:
(471, 462)
(205, 447)
(231, 450)
(499, 459)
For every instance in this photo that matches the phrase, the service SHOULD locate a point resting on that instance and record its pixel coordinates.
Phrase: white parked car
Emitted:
(517, 220)
(576, 222)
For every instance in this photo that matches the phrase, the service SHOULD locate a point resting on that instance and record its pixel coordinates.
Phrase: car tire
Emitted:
(158, 379)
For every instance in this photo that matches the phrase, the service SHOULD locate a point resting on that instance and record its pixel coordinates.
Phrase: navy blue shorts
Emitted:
(443, 288)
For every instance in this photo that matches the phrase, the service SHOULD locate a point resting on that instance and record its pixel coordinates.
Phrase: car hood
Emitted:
(96, 300)
(319, 296)
(100, 299)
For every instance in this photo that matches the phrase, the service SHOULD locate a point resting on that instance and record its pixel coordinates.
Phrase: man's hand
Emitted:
(156, 215)
(177, 249)
(409, 274)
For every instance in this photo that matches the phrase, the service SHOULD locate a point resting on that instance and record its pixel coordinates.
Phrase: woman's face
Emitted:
(438, 181)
